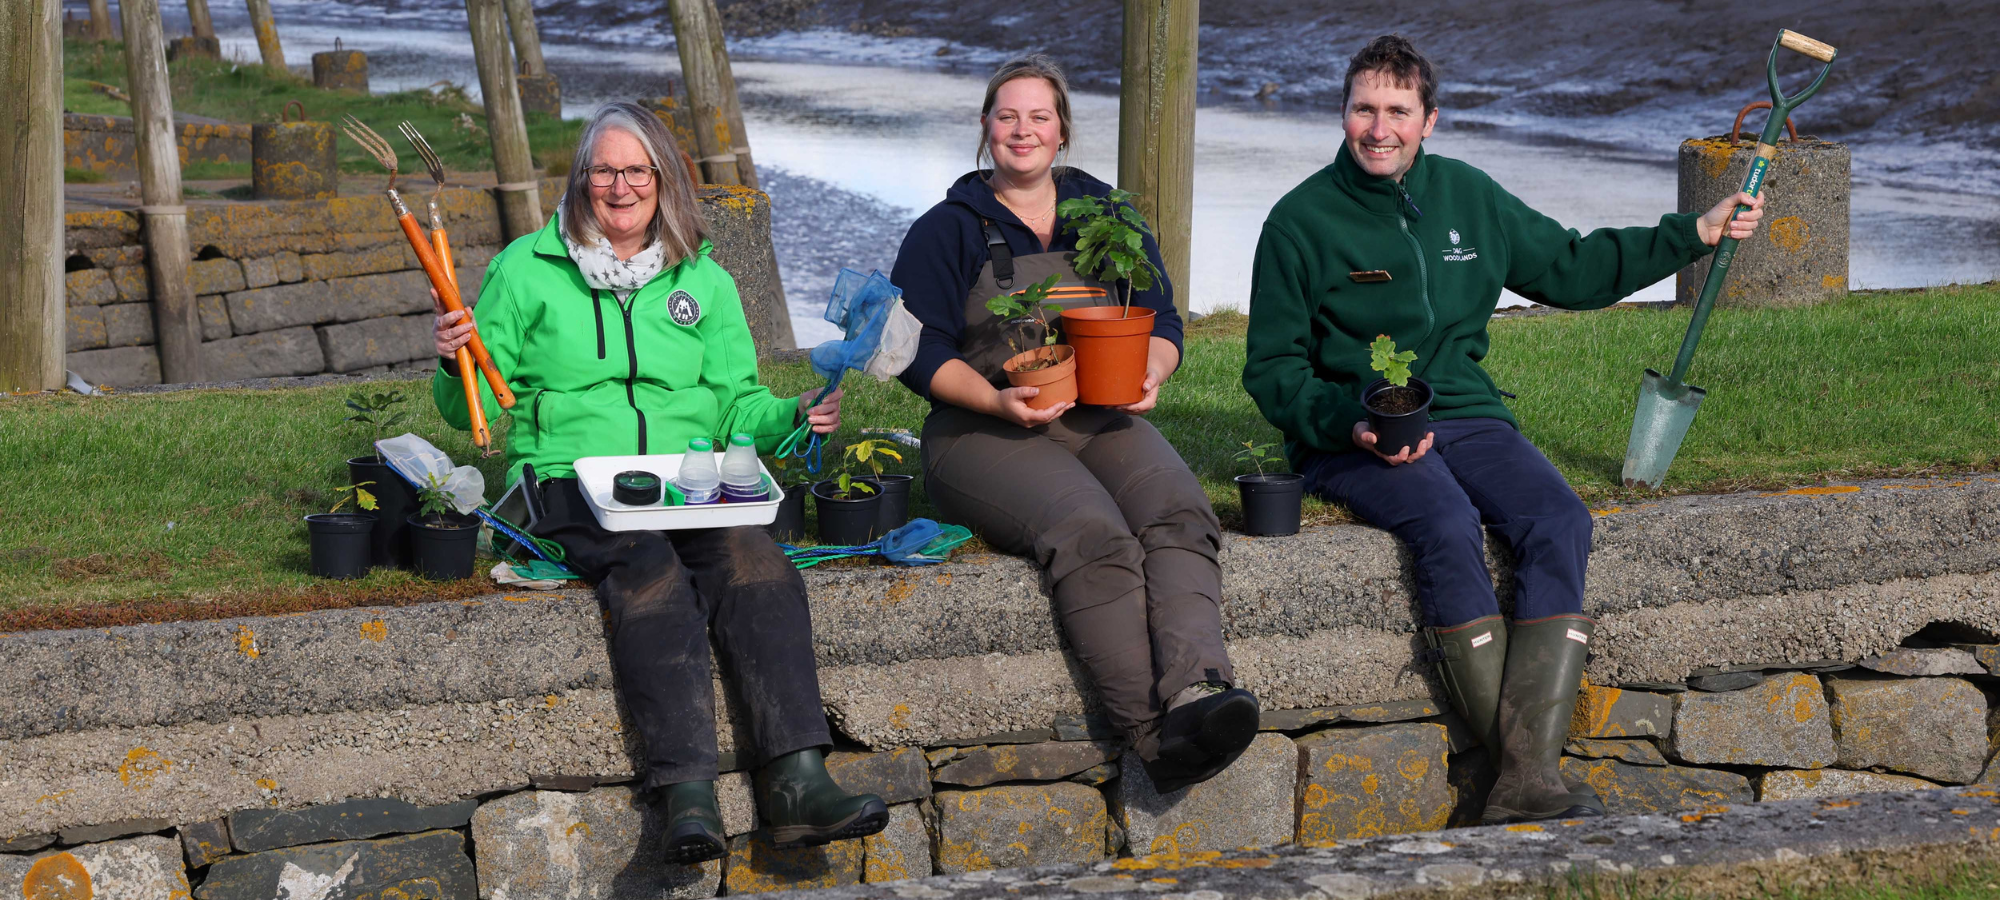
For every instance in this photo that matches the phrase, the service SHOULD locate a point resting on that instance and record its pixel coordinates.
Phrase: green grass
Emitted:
(1878, 384)
(1964, 881)
(249, 93)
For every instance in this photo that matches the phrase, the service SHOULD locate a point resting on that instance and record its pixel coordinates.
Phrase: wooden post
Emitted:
(198, 19)
(32, 323)
(694, 39)
(725, 78)
(1156, 125)
(162, 218)
(527, 39)
(520, 192)
(266, 29)
(100, 20)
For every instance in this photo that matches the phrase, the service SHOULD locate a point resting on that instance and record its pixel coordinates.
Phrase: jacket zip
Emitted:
(1423, 269)
(596, 306)
(632, 376)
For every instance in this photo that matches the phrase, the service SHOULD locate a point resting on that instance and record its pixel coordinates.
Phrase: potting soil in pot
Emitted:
(1397, 401)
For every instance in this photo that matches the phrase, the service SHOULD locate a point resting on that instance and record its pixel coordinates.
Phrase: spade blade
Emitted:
(1665, 411)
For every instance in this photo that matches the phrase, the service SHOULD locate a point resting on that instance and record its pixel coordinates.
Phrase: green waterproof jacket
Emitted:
(1448, 239)
(594, 377)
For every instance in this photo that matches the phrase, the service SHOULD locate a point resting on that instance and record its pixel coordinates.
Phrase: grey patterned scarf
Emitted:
(604, 271)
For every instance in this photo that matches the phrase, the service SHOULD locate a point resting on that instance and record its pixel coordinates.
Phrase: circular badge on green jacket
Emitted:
(683, 307)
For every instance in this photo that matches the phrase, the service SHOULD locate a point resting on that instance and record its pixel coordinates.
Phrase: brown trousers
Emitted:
(1121, 528)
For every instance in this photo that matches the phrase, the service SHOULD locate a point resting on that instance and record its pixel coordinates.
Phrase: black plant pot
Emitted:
(339, 543)
(395, 502)
(1394, 431)
(846, 523)
(444, 552)
(790, 525)
(1271, 502)
(895, 508)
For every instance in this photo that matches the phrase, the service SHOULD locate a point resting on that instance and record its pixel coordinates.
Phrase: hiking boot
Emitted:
(1544, 670)
(694, 823)
(1206, 727)
(802, 807)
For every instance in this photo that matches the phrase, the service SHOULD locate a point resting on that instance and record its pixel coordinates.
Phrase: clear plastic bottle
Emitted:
(698, 478)
(742, 477)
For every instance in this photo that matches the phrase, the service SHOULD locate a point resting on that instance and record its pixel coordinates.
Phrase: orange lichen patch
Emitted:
(246, 641)
(1164, 880)
(1608, 511)
(903, 588)
(578, 827)
(1715, 153)
(1833, 282)
(899, 716)
(1814, 491)
(377, 631)
(58, 877)
(1256, 863)
(1837, 804)
(1569, 823)
(1524, 828)
(1961, 812)
(141, 766)
(1790, 233)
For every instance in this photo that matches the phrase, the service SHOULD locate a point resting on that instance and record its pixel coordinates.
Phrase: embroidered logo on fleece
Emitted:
(1458, 253)
(683, 307)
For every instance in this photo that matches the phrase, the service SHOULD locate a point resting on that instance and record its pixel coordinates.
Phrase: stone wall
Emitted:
(106, 145)
(1757, 647)
(312, 286)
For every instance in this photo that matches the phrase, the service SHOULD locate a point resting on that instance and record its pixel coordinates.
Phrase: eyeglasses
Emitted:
(635, 176)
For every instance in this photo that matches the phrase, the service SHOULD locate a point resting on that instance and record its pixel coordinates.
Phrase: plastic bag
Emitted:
(419, 463)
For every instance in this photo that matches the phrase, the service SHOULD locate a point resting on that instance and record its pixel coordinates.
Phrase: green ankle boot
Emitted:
(1537, 697)
(802, 807)
(1470, 661)
(694, 823)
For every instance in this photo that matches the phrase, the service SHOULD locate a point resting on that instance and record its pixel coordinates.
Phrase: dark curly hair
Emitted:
(1395, 56)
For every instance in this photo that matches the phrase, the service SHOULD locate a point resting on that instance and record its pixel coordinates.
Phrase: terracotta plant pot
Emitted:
(1111, 349)
(1058, 382)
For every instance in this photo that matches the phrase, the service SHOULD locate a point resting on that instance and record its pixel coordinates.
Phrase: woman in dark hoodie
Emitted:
(1093, 494)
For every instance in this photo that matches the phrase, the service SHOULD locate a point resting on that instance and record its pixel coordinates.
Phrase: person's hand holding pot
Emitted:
(1364, 437)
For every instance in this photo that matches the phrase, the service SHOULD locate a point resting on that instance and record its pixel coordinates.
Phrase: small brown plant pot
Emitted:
(1058, 382)
(1112, 343)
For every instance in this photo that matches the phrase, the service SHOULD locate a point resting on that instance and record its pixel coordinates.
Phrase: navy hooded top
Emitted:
(945, 249)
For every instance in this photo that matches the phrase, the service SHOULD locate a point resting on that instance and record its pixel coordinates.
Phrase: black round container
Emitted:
(395, 501)
(1271, 502)
(790, 525)
(1394, 432)
(895, 508)
(340, 543)
(444, 552)
(636, 488)
(846, 523)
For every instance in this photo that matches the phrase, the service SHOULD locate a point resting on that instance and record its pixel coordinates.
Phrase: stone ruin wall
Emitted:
(309, 287)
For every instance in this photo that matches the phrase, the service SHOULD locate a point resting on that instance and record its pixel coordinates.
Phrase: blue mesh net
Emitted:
(861, 305)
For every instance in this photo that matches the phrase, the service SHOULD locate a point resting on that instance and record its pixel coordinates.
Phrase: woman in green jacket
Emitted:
(619, 335)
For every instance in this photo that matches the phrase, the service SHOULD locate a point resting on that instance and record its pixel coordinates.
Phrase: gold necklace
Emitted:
(1026, 220)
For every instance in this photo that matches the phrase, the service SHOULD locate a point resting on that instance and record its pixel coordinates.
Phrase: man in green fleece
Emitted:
(1390, 240)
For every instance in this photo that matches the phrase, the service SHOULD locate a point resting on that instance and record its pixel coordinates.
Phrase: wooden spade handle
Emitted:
(1799, 43)
(448, 293)
(482, 436)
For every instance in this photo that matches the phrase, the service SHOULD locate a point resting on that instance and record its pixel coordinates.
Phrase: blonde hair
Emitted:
(677, 222)
(1034, 65)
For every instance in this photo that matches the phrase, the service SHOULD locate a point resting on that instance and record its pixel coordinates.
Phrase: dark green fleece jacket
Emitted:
(1449, 239)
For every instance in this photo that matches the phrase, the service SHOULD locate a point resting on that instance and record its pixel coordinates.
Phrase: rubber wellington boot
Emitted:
(1470, 661)
(1545, 660)
(1206, 727)
(694, 823)
(804, 808)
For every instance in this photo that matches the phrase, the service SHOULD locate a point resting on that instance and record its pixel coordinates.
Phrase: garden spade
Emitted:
(1667, 403)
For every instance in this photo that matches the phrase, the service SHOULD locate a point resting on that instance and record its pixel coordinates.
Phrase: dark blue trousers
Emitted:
(1479, 474)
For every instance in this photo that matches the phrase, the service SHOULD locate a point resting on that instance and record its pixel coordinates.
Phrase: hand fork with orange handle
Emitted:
(482, 437)
(435, 268)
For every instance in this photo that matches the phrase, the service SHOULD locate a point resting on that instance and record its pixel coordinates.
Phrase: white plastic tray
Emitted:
(594, 475)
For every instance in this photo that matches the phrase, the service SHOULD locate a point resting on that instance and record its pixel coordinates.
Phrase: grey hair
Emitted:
(1034, 65)
(677, 223)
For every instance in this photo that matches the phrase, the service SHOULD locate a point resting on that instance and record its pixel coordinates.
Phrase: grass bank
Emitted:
(94, 80)
(196, 496)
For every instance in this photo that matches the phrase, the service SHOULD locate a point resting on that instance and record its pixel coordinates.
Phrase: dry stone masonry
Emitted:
(1800, 646)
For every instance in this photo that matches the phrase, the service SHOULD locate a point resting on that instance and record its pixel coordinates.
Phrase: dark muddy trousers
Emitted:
(1480, 473)
(668, 592)
(1102, 503)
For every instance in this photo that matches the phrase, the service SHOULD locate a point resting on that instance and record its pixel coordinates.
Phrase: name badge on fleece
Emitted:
(1370, 277)
(684, 308)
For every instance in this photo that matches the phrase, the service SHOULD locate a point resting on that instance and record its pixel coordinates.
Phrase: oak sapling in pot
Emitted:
(1049, 367)
(848, 503)
(1398, 403)
(340, 540)
(1271, 501)
(894, 510)
(378, 413)
(443, 542)
(1112, 342)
